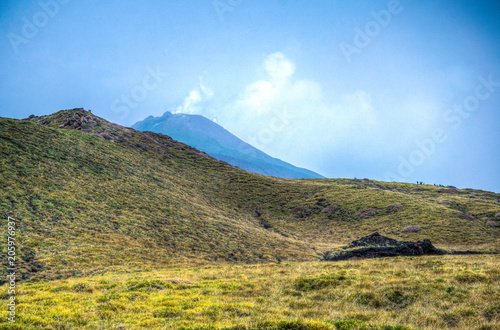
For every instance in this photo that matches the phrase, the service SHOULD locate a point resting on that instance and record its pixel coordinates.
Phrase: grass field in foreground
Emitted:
(431, 292)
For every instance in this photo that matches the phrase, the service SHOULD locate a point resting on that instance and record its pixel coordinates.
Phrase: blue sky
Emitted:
(389, 90)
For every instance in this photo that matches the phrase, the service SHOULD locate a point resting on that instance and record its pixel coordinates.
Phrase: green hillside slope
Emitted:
(89, 194)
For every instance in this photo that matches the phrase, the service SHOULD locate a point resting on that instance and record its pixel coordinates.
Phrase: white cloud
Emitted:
(207, 92)
(283, 112)
(258, 96)
(194, 102)
(279, 67)
(293, 119)
(280, 90)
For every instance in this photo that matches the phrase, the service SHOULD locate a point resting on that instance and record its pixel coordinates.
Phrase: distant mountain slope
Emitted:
(205, 135)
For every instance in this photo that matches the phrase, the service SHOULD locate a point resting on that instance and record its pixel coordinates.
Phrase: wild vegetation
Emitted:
(427, 292)
(95, 202)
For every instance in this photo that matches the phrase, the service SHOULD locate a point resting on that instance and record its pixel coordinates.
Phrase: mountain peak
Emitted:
(206, 135)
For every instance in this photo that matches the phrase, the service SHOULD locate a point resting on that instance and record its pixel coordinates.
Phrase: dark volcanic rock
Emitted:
(394, 207)
(330, 209)
(79, 121)
(373, 239)
(466, 216)
(367, 213)
(448, 191)
(300, 211)
(411, 229)
(376, 246)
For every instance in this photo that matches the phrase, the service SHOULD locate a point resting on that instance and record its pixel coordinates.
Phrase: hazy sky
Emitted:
(389, 90)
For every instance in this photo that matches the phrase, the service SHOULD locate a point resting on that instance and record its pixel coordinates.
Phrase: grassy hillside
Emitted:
(445, 292)
(91, 195)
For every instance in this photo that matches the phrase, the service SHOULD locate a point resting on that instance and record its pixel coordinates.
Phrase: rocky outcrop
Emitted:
(80, 121)
(466, 216)
(366, 213)
(376, 246)
(394, 207)
(330, 209)
(411, 229)
(450, 190)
